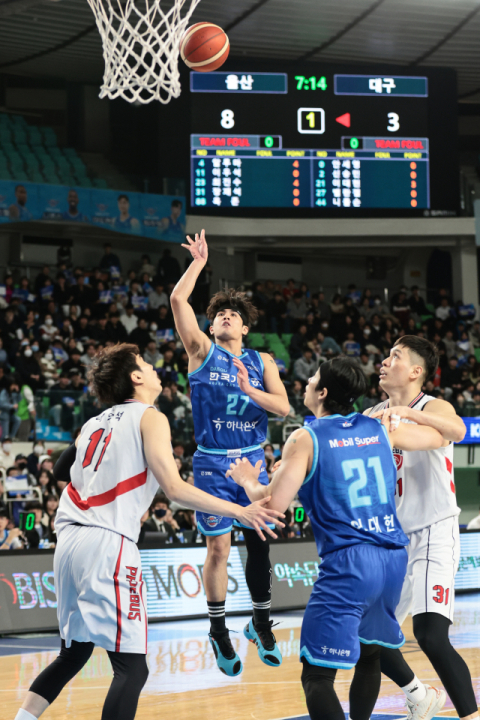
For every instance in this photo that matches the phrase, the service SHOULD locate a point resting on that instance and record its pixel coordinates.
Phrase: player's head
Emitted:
(21, 194)
(231, 315)
(123, 204)
(119, 373)
(412, 361)
(72, 200)
(335, 387)
(176, 208)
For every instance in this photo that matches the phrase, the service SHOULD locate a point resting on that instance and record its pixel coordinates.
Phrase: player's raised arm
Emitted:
(296, 462)
(407, 436)
(275, 398)
(157, 447)
(195, 341)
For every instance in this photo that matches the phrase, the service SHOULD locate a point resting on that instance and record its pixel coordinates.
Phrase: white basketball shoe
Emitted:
(433, 701)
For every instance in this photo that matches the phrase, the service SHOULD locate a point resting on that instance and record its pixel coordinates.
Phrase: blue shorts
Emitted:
(209, 475)
(353, 601)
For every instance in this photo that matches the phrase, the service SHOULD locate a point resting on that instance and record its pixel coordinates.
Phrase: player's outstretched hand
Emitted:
(199, 248)
(257, 516)
(243, 472)
(242, 375)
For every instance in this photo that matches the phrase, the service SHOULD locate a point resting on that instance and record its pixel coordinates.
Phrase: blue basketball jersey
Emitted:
(349, 494)
(224, 418)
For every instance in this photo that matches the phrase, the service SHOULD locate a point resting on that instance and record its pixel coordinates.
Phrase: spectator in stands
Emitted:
(417, 304)
(151, 354)
(82, 294)
(50, 506)
(88, 358)
(140, 335)
(305, 367)
(366, 364)
(168, 270)
(350, 346)
(9, 399)
(109, 259)
(48, 368)
(129, 320)
(7, 456)
(443, 311)
(48, 330)
(297, 307)
(277, 313)
(329, 346)
(401, 308)
(298, 341)
(28, 369)
(158, 297)
(157, 522)
(26, 412)
(77, 382)
(73, 360)
(114, 331)
(289, 290)
(10, 539)
(451, 377)
(167, 367)
(33, 458)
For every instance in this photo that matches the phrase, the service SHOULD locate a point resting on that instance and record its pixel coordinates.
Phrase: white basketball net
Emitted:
(141, 47)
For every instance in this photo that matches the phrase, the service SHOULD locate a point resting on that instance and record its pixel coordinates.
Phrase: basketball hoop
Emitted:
(141, 47)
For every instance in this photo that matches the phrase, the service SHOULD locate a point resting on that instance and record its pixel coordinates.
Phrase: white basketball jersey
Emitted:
(425, 492)
(111, 486)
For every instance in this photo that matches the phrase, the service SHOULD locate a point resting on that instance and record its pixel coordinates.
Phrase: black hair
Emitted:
(347, 374)
(176, 203)
(110, 374)
(425, 349)
(234, 300)
(123, 197)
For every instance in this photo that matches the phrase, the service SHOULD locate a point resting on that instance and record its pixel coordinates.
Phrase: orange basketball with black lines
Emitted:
(204, 47)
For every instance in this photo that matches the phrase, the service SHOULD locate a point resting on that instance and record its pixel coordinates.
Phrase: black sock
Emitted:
(261, 610)
(216, 613)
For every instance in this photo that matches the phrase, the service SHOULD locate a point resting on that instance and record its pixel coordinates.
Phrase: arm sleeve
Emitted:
(61, 471)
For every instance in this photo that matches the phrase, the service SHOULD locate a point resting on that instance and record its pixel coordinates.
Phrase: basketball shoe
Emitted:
(433, 701)
(265, 641)
(227, 659)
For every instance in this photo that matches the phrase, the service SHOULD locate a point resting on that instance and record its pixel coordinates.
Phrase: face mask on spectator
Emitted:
(35, 348)
(48, 321)
(378, 302)
(153, 327)
(28, 352)
(367, 331)
(48, 356)
(160, 513)
(39, 450)
(7, 447)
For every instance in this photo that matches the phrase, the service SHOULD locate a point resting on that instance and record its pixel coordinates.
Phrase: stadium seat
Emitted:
(256, 340)
(477, 354)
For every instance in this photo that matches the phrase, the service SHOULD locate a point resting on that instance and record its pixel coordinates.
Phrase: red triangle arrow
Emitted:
(344, 119)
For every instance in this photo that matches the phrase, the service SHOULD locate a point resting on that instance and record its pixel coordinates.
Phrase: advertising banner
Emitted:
(161, 217)
(174, 580)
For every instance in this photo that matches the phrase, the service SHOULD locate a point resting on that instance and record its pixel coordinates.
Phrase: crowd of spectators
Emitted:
(51, 329)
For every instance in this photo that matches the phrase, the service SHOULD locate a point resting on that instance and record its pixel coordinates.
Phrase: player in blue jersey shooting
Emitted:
(342, 468)
(231, 391)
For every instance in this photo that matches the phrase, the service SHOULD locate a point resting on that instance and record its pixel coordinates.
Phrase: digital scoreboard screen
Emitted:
(323, 141)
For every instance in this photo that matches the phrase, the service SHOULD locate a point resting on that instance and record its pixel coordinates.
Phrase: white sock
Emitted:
(415, 691)
(24, 715)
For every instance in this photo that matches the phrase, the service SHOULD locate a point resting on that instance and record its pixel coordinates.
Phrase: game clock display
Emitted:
(334, 141)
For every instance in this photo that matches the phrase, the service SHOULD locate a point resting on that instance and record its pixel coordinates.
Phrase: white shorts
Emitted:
(433, 556)
(99, 586)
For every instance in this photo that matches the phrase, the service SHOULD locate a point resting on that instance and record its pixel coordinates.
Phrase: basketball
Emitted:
(204, 47)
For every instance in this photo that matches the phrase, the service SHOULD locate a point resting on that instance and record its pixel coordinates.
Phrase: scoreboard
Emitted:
(318, 140)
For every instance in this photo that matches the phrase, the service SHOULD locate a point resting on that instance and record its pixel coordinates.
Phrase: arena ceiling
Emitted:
(59, 38)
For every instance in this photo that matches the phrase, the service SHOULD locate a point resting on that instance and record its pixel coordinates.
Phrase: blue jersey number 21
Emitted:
(349, 467)
(232, 401)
